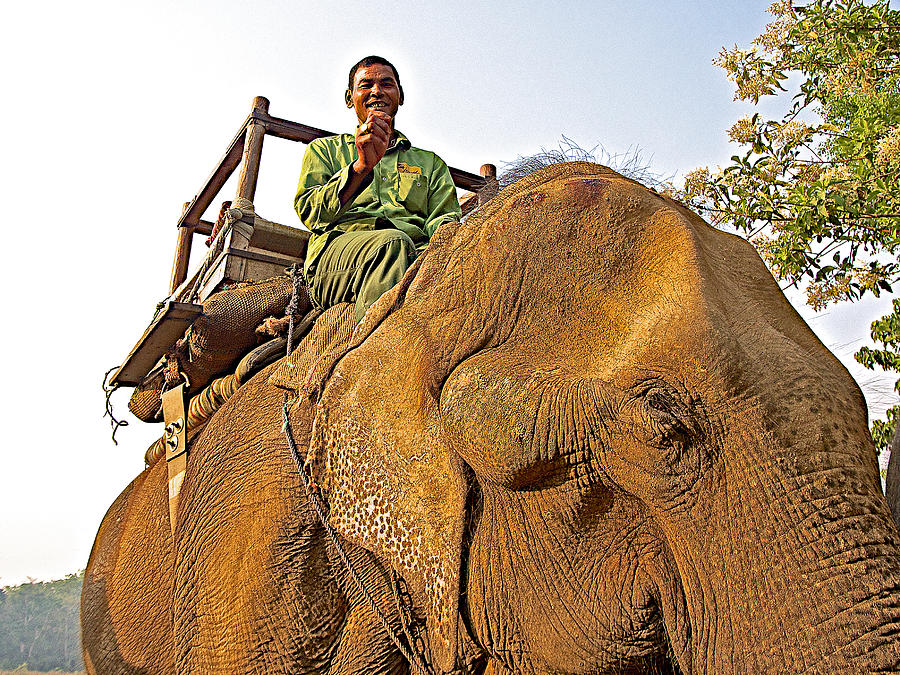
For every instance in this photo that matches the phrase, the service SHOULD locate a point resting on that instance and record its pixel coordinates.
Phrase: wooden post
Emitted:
(232, 266)
(182, 254)
(892, 482)
(253, 143)
(491, 187)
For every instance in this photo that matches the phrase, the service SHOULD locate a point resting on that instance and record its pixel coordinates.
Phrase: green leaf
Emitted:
(849, 111)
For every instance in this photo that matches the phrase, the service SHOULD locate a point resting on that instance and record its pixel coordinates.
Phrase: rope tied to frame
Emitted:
(230, 217)
(416, 661)
(109, 390)
(178, 354)
(220, 223)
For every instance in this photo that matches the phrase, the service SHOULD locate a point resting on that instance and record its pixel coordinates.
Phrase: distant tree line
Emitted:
(39, 625)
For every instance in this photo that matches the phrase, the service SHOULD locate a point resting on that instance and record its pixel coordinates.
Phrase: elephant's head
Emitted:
(589, 430)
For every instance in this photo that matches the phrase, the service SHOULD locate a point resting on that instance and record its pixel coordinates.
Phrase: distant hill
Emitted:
(39, 626)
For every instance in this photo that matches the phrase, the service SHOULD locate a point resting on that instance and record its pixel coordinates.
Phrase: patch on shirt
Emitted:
(403, 167)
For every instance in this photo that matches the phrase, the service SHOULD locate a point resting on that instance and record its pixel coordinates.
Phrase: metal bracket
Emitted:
(175, 439)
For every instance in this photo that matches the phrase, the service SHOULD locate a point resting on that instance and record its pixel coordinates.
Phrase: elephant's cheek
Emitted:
(520, 427)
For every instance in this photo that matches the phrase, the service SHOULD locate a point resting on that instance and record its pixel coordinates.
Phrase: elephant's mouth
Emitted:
(665, 662)
(639, 643)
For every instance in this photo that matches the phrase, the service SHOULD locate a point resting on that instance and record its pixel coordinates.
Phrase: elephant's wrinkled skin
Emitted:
(126, 601)
(588, 431)
(254, 588)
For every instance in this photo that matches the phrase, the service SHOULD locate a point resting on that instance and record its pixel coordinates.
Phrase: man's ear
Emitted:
(401, 94)
(348, 100)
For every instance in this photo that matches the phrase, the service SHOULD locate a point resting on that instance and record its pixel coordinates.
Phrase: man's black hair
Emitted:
(371, 61)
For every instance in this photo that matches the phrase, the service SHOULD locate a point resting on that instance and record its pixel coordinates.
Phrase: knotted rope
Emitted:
(109, 390)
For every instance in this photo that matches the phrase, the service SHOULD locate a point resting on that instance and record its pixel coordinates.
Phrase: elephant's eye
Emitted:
(666, 416)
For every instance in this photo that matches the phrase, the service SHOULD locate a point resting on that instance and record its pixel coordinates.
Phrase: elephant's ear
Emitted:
(383, 308)
(378, 452)
(391, 483)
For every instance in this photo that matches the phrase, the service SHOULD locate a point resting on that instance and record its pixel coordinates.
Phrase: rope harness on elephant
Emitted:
(417, 661)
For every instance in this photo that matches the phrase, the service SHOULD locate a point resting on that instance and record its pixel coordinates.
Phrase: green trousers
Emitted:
(359, 266)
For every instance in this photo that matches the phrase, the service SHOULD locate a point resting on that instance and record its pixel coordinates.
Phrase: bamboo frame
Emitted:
(245, 150)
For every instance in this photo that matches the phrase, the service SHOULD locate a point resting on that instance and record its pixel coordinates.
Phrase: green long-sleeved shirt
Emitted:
(411, 190)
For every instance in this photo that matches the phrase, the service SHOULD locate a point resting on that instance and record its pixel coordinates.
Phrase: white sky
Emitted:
(116, 112)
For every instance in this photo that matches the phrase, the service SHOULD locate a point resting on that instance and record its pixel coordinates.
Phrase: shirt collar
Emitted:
(402, 142)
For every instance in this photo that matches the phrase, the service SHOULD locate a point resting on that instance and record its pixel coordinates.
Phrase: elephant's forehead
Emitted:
(580, 253)
(576, 257)
(581, 234)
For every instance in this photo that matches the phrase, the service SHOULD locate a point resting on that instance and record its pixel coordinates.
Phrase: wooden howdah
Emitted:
(266, 252)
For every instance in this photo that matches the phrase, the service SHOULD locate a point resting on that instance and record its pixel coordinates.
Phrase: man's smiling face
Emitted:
(374, 88)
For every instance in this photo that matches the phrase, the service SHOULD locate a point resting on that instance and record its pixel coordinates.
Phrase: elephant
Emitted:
(586, 432)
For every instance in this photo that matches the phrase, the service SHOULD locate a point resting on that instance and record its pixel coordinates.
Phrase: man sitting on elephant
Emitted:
(371, 199)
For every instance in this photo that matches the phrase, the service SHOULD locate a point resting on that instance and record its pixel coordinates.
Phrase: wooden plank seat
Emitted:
(167, 326)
